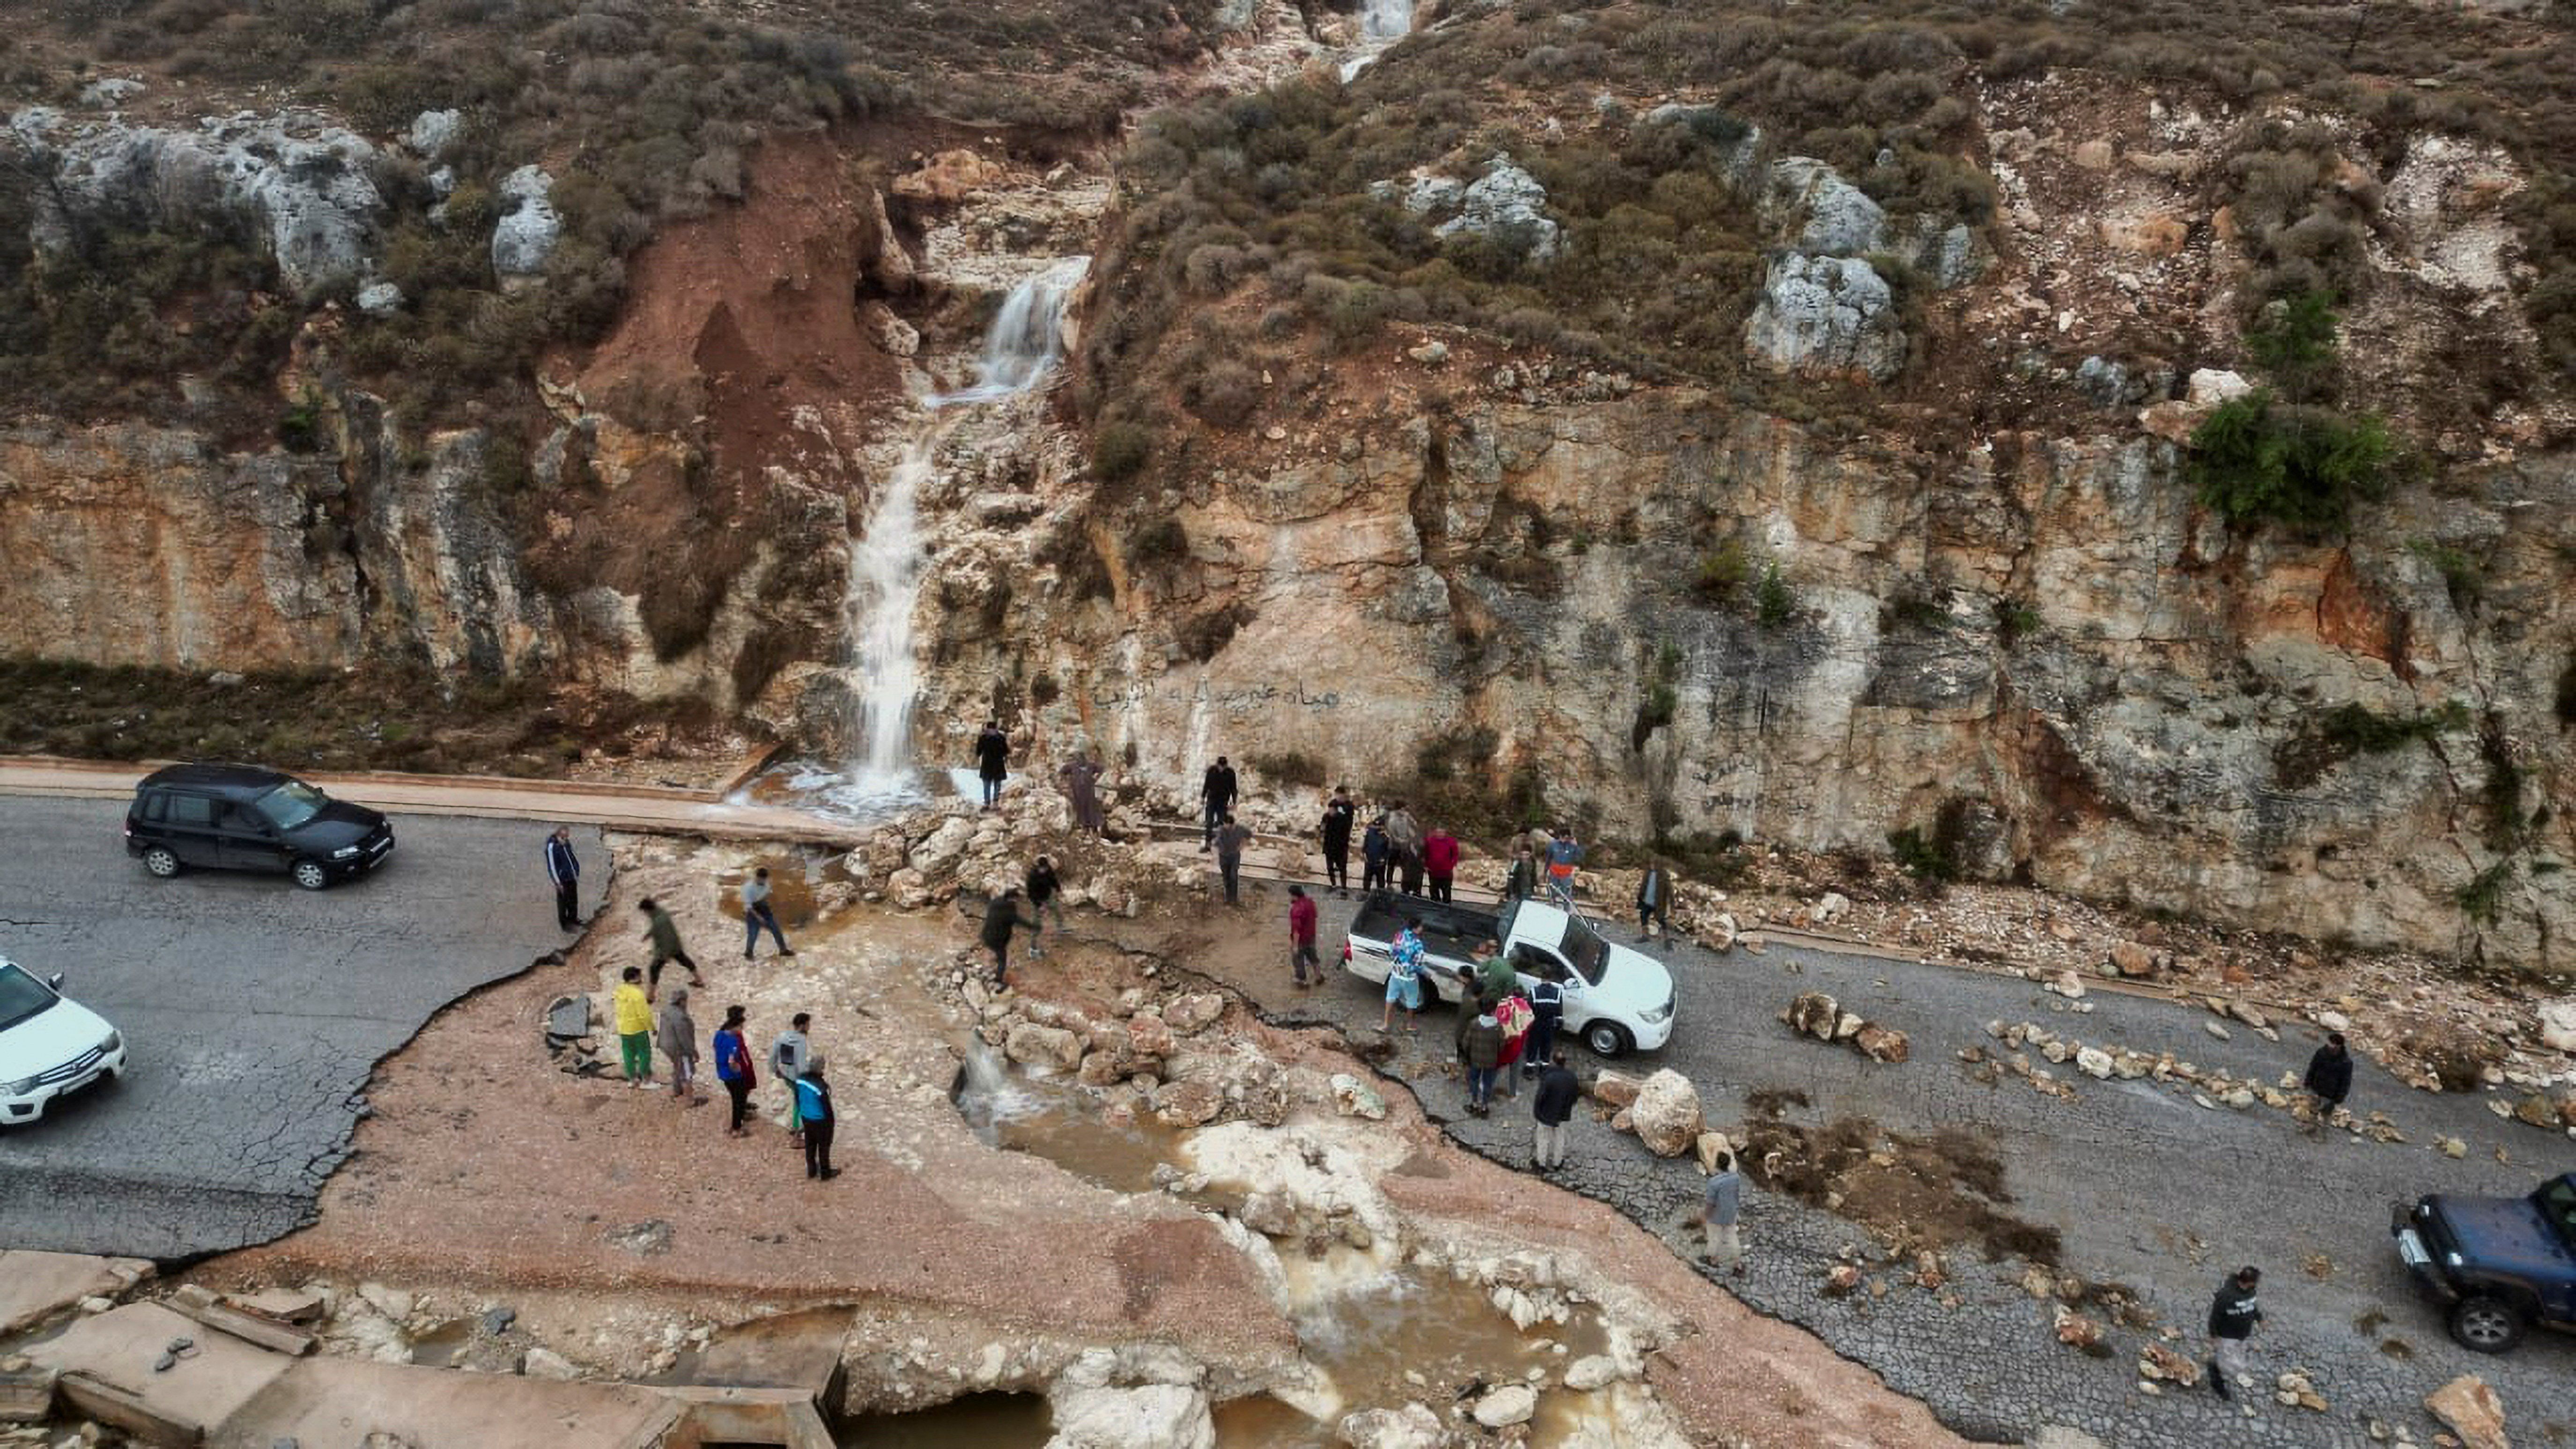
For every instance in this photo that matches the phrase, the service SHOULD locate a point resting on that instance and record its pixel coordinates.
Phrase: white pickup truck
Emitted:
(1616, 999)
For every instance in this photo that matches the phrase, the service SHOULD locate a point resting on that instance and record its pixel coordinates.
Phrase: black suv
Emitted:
(241, 817)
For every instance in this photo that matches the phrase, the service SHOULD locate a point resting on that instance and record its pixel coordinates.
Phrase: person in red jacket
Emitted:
(1440, 853)
(1301, 936)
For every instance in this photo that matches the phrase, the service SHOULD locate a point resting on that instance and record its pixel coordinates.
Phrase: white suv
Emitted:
(49, 1044)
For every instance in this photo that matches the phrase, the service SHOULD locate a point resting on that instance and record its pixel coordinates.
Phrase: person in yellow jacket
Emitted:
(634, 1027)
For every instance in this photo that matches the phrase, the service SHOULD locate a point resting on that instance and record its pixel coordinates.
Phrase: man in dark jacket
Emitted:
(1000, 919)
(1216, 797)
(1339, 812)
(1553, 1106)
(1547, 1010)
(1375, 852)
(2329, 1081)
(1654, 888)
(2232, 1316)
(564, 869)
(992, 760)
(1484, 1048)
(663, 934)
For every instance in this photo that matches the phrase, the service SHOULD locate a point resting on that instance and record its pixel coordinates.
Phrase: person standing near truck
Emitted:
(1339, 812)
(1484, 1050)
(1547, 1009)
(1553, 1107)
(1514, 1017)
(1495, 978)
(1404, 979)
(1375, 851)
(1564, 853)
(1440, 856)
(1404, 836)
(1216, 797)
(2232, 1316)
(1523, 879)
(1653, 889)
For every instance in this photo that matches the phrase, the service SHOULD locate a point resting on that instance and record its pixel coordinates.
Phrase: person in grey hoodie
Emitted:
(1404, 838)
(788, 1055)
(677, 1036)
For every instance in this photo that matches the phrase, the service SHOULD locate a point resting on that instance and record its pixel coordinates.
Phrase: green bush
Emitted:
(1159, 540)
(2294, 341)
(1723, 573)
(1119, 451)
(1921, 856)
(1773, 604)
(2256, 461)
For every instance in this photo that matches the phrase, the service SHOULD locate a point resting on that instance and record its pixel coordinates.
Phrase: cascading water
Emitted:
(1023, 345)
(1382, 23)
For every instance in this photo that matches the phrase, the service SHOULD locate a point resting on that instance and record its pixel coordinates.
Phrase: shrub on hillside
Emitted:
(2257, 460)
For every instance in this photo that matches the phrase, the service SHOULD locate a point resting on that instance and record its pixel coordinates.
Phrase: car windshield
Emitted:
(291, 804)
(1583, 950)
(21, 996)
(2557, 1201)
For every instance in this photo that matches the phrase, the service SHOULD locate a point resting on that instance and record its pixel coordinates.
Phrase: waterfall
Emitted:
(1023, 345)
(1386, 20)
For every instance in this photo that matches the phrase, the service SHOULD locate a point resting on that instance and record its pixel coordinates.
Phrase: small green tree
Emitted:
(2256, 460)
(2295, 342)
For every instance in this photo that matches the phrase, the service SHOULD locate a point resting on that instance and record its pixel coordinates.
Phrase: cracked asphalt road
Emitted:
(254, 1014)
(2147, 1189)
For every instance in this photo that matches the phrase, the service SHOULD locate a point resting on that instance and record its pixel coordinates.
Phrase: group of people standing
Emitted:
(1080, 777)
(804, 1097)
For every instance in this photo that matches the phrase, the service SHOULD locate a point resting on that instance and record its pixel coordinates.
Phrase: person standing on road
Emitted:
(564, 869)
(1045, 893)
(1522, 882)
(677, 1036)
(1440, 856)
(1721, 1235)
(814, 1109)
(992, 761)
(1375, 851)
(1000, 919)
(634, 1013)
(1404, 836)
(2329, 1081)
(1495, 978)
(664, 935)
(1484, 1048)
(1547, 1009)
(2232, 1316)
(1553, 1107)
(1404, 979)
(1081, 778)
(788, 1054)
(1339, 812)
(756, 914)
(1301, 936)
(1514, 1017)
(1654, 889)
(733, 1068)
(1230, 841)
(1216, 797)
(1564, 853)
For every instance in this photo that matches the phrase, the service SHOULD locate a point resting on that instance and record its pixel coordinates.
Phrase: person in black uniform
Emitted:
(1339, 812)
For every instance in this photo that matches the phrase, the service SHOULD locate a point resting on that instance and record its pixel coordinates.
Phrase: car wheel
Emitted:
(2486, 1325)
(161, 862)
(310, 875)
(1607, 1039)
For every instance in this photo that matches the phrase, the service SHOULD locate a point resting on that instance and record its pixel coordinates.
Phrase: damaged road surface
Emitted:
(254, 1012)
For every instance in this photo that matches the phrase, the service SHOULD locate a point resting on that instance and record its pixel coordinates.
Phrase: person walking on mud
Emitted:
(1081, 777)
(1721, 1206)
(1301, 936)
(1231, 838)
(633, 1010)
(677, 1036)
(1404, 836)
(1216, 797)
(1375, 851)
(2329, 1081)
(788, 1054)
(2232, 1316)
(1441, 853)
(663, 934)
(756, 914)
(733, 1068)
(992, 761)
(1001, 918)
(564, 869)
(1404, 979)
(1552, 1107)
(1654, 888)
(1339, 813)
(814, 1109)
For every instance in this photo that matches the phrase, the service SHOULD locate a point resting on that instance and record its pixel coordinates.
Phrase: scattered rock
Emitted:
(2558, 1024)
(1506, 204)
(2077, 1331)
(1355, 1098)
(380, 299)
(1510, 1404)
(1051, 1047)
(1193, 1103)
(2129, 958)
(1826, 317)
(2472, 1410)
(1194, 1013)
(2094, 1062)
(2214, 1029)
(1708, 1147)
(2068, 985)
(1666, 1114)
(1148, 1416)
(1616, 1089)
(2158, 1362)
(1412, 1427)
(396, 1304)
(529, 226)
(1881, 1043)
(1591, 1372)
(545, 1363)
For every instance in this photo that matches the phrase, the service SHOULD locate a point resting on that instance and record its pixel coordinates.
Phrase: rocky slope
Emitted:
(1620, 435)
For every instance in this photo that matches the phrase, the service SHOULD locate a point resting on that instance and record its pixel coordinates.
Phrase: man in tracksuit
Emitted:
(564, 869)
(2232, 1316)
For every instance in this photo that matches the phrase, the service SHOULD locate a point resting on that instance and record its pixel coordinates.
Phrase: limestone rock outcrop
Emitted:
(1826, 317)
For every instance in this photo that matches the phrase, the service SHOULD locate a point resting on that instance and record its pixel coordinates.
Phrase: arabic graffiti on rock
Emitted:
(1232, 698)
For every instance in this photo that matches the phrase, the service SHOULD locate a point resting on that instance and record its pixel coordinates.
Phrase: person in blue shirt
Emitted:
(1404, 979)
(814, 1109)
(1563, 855)
(733, 1066)
(564, 869)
